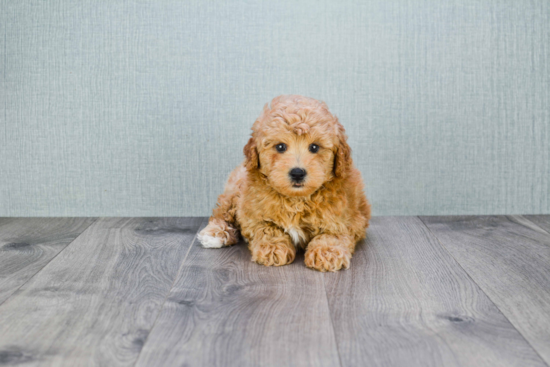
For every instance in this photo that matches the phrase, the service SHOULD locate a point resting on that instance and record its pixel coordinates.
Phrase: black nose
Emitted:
(297, 174)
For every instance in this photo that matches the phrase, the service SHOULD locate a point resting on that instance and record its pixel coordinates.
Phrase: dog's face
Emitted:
(298, 145)
(296, 165)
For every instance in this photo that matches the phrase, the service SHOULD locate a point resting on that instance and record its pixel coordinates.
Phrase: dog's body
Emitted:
(296, 188)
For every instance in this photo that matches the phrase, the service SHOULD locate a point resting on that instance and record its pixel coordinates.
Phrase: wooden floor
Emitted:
(428, 291)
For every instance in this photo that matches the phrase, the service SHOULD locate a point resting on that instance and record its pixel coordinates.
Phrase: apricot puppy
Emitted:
(297, 187)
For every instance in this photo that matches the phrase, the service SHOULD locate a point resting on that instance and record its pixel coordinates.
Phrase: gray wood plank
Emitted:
(542, 221)
(406, 302)
(509, 258)
(28, 244)
(95, 303)
(225, 310)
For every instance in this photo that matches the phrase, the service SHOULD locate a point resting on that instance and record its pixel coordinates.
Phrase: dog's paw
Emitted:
(208, 241)
(217, 234)
(272, 254)
(327, 257)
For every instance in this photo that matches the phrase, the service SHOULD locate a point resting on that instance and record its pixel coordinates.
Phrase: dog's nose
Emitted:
(297, 174)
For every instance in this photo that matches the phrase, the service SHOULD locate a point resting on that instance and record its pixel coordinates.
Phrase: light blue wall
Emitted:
(138, 108)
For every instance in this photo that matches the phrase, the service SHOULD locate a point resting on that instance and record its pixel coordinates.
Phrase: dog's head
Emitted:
(298, 145)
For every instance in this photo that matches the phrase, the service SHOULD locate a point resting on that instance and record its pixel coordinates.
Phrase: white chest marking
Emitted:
(298, 236)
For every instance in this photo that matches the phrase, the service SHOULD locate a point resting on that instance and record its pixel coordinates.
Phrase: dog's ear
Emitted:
(342, 157)
(251, 154)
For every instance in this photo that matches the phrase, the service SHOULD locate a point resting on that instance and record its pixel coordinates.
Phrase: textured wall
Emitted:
(142, 108)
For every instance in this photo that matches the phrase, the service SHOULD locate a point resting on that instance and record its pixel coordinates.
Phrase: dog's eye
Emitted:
(313, 148)
(281, 147)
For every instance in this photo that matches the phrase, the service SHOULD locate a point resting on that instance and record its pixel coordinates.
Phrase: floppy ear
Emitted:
(251, 153)
(342, 157)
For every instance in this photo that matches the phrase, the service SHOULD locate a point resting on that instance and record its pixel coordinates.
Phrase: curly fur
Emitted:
(327, 215)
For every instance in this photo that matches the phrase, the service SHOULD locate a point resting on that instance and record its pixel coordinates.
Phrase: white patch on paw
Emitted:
(210, 241)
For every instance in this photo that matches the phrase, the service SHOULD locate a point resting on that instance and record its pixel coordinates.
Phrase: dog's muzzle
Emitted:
(297, 175)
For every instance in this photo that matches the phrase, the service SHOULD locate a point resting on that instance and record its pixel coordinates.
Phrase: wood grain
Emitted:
(96, 302)
(28, 244)
(509, 258)
(542, 221)
(406, 302)
(225, 310)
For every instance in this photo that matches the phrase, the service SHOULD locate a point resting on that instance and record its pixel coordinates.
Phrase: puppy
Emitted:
(297, 187)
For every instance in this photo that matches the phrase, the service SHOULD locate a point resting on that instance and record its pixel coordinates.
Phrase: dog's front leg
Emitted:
(270, 245)
(327, 252)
